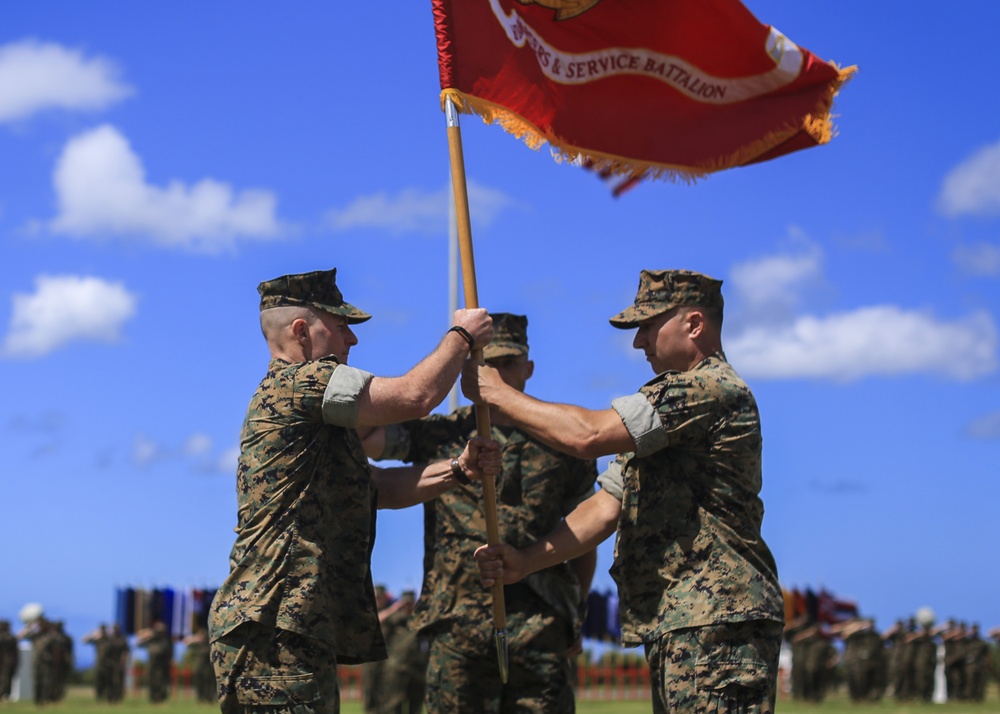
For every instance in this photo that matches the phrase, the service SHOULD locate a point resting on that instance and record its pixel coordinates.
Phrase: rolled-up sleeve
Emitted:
(612, 480)
(643, 423)
(340, 400)
(397, 443)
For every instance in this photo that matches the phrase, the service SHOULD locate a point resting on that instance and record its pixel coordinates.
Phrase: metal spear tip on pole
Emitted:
(500, 639)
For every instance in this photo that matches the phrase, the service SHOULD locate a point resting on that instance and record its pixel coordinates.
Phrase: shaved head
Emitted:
(276, 320)
(298, 333)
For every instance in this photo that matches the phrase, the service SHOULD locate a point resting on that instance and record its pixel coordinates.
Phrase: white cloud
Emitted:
(973, 187)
(413, 210)
(102, 191)
(35, 76)
(775, 283)
(226, 462)
(197, 445)
(978, 259)
(775, 340)
(985, 427)
(881, 340)
(145, 452)
(195, 452)
(410, 211)
(65, 309)
(872, 240)
(485, 203)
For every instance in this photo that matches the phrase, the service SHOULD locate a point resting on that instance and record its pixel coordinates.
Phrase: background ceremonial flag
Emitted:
(675, 88)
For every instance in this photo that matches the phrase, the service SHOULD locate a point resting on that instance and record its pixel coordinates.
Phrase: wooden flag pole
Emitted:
(464, 224)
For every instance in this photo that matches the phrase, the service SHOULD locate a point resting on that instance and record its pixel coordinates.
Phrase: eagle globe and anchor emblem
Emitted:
(564, 9)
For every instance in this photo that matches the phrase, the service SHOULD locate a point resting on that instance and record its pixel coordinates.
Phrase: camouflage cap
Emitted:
(510, 336)
(316, 289)
(662, 290)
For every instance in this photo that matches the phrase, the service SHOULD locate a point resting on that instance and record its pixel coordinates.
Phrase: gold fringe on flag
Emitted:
(818, 125)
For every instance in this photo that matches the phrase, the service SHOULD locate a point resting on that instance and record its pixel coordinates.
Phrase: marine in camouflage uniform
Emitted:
(46, 651)
(697, 585)
(159, 659)
(906, 687)
(100, 639)
(536, 488)
(993, 661)
(816, 660)
(116, 660)
(371, 672)
(65, 660)
(864, 660)
(199, 661)
(299, 598)
(404, 677)
(798, 648)
(977, 664)
(922, 659)
(953, 637)
(893, 639)
(8, 659)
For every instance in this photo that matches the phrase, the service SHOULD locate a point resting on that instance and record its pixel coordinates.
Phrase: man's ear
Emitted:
(530, 369)
(300, 330)
(696, 322)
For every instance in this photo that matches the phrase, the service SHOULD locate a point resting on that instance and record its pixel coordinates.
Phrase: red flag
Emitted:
(832, 609)
(659, 88)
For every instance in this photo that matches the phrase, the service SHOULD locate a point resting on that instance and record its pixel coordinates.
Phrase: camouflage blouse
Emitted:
(306, 521)
(689, 550)
(537, 486)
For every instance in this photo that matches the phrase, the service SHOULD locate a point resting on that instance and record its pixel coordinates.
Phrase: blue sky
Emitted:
(157, 162)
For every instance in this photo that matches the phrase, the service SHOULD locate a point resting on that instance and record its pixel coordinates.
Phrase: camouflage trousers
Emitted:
(371, 685)
(729, 668)
(159, 680)
(863, 680)
(204, 683)
(45, 683)
(402, 690)
(116, 684)
(7, 669)
(261, 670)
(463, 675)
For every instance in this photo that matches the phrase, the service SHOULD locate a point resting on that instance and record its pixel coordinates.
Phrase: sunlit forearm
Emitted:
(406, 486)
(586, 527)
(580, 432)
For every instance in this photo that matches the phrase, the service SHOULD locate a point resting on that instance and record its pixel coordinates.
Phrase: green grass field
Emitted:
(80, 699)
